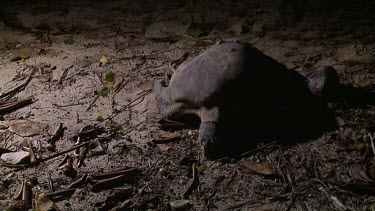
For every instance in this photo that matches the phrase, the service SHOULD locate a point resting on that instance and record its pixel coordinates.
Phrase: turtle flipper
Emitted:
(207, 137)
(167, 109)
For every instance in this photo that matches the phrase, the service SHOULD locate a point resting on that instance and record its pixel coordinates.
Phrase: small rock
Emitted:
(14, 158)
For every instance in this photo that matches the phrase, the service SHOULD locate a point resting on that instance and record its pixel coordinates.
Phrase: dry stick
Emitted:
(194, 184)
(93, 102)
(372, 142)
(123, 172)
(27, 193)
(77, 183)
(18, 88)
(64, 74)
(68, 105)
(52, 189)
(61, 192)
(15, 105)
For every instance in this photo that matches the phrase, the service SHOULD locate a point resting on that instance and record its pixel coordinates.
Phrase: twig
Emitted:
(194, 184)
(68, 105)
(93, 102)
(64, 74)
(124, 172)
(52, 189)
(11, 93)
(78, 183)
(372, 142)
(61, 192)
(15, 105)
(114, 181)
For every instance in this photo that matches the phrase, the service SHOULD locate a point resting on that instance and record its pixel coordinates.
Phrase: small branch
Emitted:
(64, 74)
(67, 105)
(52, 189)
(61, 193)
(19, 88)
(372, 142)
(15, 105)
(194, 184)
(93, 102)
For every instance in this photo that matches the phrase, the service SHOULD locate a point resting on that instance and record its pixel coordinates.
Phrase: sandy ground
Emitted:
(142, 40)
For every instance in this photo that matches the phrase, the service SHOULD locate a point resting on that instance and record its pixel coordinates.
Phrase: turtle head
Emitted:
(161, 94)
(324, 82)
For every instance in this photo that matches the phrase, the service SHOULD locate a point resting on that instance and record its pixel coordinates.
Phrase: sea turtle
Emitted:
(232, 86)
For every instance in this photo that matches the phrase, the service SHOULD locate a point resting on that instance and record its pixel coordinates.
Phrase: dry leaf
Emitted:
(43, 203)
(25, 128)
(358, 173)
(260, 169)
(179, 203)
(164, 147)
(23, 53)
(104, 60)
(43, 77)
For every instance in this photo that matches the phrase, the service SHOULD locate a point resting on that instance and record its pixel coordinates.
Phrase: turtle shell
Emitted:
(195, 81)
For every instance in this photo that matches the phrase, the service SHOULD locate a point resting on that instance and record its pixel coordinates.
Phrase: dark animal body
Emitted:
(242, 96)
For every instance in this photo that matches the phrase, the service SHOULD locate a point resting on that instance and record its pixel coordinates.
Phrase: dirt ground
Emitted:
(83, 60)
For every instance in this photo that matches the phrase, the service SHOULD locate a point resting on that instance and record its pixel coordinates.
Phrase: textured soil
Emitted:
(62, 43)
